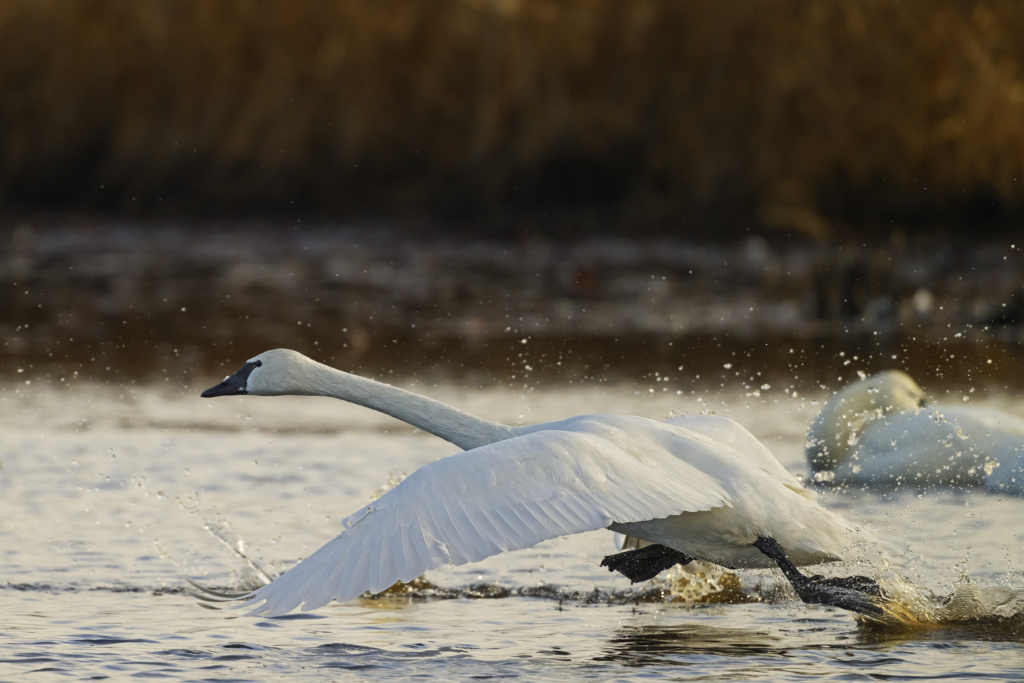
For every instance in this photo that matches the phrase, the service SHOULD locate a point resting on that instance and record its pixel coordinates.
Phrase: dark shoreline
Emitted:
(139, 302)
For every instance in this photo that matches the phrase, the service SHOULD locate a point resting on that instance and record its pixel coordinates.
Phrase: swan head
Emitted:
(888, 391)
(832, 436)
(271, 373)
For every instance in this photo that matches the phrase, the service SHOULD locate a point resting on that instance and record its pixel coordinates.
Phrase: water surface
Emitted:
(110, 495)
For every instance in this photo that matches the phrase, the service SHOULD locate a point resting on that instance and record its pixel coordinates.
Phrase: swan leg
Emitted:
(644, 563)
(855, 593)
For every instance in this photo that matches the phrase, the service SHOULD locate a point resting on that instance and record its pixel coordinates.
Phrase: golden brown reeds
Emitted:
(665, 110)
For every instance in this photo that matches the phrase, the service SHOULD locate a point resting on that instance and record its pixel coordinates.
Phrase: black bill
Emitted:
(232, 384)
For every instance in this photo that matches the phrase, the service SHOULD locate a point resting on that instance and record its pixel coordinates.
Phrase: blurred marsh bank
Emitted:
(143, 302)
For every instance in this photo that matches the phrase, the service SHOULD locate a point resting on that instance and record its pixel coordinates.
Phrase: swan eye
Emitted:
(258, 363)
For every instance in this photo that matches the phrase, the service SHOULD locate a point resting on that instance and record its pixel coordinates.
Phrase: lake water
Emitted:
(111, 495)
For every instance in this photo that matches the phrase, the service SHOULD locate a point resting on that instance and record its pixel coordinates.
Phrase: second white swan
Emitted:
(878, 432)
(697, 487)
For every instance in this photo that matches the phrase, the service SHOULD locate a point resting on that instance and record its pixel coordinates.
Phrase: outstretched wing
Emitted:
(504, 496)
(724, 434)
(729, 433)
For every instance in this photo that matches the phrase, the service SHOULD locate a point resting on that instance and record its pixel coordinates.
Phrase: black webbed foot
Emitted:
(829, 592)
(855, 593)
(863, 584)
(644, 563)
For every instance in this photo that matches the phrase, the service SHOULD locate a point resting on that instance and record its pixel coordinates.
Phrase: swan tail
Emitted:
(626, 542)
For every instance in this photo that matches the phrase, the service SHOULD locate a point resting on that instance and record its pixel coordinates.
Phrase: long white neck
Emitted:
(451, 424)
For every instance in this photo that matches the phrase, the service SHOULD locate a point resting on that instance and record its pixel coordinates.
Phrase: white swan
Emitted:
(698, 487)
(878, 432)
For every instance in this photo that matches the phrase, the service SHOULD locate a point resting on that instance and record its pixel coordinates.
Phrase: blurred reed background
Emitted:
(571, 189)
(658, 116)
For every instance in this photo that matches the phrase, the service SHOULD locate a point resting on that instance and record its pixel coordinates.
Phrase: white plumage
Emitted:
(879, 432)
(701, 485)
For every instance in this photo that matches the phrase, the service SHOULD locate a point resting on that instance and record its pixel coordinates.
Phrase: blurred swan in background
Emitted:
(879, 432)
(697, 487)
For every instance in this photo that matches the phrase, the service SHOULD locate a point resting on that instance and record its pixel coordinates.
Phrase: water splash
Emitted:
(970, 606)
(250, 575)
(699, 582)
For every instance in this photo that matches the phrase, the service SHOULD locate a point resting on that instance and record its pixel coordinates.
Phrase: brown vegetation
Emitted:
(792, 113)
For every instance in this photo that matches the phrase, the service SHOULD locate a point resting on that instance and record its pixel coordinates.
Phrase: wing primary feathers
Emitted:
(513, 538)
(452, 533)
(486, 545)
(358, 576)
(464, 537)
(329, 585)
(534, 526)
(507, 495)
(386, 573)
(414, 564)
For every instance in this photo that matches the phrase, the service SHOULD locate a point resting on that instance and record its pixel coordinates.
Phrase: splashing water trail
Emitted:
(970, 606)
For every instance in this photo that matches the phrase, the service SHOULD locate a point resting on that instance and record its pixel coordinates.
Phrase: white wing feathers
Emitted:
(731, 434)
(504, 496)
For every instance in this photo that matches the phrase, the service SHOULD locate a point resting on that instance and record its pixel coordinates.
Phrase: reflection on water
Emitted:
(657, 644)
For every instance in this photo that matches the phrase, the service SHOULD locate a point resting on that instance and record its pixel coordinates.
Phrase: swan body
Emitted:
(879, 432)
(701, 485)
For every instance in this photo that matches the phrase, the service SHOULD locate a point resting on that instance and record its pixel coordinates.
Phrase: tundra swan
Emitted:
(879, 432)
(696, 487)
